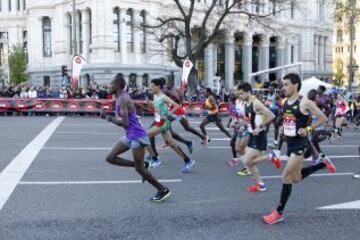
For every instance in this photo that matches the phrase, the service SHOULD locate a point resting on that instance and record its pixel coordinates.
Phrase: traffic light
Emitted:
(64, 70)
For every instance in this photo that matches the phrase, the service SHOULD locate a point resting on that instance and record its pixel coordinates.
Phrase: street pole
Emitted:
(74, 27)
(8, 55)
(351, 69)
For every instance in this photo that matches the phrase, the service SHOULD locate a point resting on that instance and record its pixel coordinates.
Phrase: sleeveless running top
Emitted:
(252, 118)
(161, 110)
(294, 119)
(135, 129)
(208, 106)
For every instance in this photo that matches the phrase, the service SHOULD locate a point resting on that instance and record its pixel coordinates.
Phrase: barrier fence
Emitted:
(89, 106)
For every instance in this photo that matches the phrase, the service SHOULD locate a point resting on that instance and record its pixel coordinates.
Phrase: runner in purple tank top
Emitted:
(135, 138)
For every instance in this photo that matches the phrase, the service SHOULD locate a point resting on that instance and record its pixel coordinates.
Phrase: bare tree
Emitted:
(192, 25)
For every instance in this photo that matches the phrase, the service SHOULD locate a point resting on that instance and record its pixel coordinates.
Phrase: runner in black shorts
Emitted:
(296, 127)
(212, 116)
(256, 125)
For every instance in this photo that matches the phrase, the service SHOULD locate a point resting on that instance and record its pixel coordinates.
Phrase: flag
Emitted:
(78, 63)
(187, 66)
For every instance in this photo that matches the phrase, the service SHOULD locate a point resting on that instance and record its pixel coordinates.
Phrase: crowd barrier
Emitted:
(89, 106)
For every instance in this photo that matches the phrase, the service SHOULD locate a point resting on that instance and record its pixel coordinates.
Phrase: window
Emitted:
(145, 80)
(353, 32)
(0, 5)
(9, 5)
(292, 9)
(90, 26)
(81, 40)
(129, 30)
(339, 36)
(321, 10)
(70, 34)
(143, 32)
(132, 80)
(116, 28)
(18, 7)
(46, 37)
(24, 4)
(46, 82)
(292, 53)
(273, 7)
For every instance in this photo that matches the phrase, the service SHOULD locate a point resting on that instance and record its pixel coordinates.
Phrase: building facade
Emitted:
(342, 44)
(109, 38)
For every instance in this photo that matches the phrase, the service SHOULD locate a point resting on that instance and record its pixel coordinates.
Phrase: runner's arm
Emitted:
(311, 107)
(169, 101)
(259, 107)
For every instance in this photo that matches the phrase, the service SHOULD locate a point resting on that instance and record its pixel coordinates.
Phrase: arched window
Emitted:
(46, 22)
(130, 30)
(339, 36)
(116, 28)
(143, 32)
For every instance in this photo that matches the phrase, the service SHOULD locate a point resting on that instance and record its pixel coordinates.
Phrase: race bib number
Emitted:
(290, 126)
(157, 116)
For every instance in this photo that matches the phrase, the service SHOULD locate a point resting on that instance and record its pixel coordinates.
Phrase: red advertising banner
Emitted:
(88, 106)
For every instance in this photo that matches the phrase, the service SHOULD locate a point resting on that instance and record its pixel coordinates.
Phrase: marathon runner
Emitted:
(297, 111)
(135, 137)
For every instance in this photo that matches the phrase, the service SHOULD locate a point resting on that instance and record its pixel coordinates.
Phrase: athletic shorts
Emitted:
(299, 146)
(258, 142)
(136, 143)
(178, 117)
(213, 117)
(164, 125)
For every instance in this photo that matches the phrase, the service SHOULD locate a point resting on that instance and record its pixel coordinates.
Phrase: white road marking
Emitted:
(89, 133)
(12, 174)
(96, 182)
(77, 148)
(315, 175)
(346, 205)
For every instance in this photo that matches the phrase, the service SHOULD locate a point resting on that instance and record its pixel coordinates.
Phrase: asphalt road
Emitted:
(70, 192)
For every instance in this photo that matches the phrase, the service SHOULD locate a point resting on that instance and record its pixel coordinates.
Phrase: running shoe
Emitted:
(233, 162)
(329, 165)
(275, 158)
(273, 146)
(356, 176)
(257, 187)
(165, 146)
(155, 162)
(187, 167)
(161, 195)
(148, 158)
(243, 172)
(190, 146)
(273, 217)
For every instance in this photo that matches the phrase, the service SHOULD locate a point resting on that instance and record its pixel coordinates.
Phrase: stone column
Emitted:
(123, 36)
(264, 56)
(86, 33)
(209, 65)
(316, 52)
(280, 55)
(321, 53)
(137, 44)
(103, 46)
(229, 61)
(247, 57)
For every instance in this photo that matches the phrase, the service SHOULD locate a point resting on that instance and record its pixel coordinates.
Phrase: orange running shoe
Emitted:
(275, 158)
(257, 187)
(329, 164)
(273, 217)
